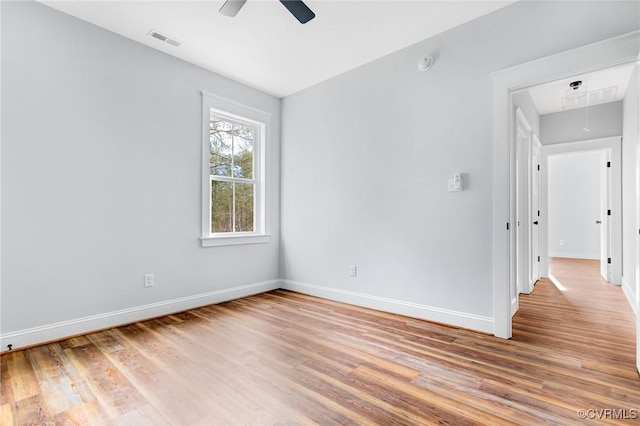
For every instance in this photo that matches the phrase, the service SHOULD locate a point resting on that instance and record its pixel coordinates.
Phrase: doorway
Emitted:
(579, 198)
(602, 55)
(592, 169)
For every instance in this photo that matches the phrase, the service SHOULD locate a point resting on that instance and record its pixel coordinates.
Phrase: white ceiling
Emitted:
(265, 47)
(603, 86)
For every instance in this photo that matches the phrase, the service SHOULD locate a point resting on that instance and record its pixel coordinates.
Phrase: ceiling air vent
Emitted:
(155, 34)
(596, 97)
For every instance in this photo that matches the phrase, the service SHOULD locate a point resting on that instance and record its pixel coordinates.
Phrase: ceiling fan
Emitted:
(296, 7)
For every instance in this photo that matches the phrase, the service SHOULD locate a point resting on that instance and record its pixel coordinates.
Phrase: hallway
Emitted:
(579, 320)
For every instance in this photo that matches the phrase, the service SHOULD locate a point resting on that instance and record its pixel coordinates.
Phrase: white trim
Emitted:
(585, 145)
(235, 107)
(414, 310)
(628, 292)
(235, 239)
(604, 54)
(574, 255)
(50, 332)
(236, 111)
(536, 211)
(636, 267)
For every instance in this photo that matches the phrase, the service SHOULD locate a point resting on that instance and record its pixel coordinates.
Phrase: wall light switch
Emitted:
(455, 184)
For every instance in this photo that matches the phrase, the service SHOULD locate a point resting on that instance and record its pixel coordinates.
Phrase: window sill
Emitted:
(232, 240)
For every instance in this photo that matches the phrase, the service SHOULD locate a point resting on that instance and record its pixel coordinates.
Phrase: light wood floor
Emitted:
(283, 358)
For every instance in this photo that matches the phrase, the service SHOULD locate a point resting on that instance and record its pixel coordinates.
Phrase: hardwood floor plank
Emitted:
(445, 411)
(6, 388)
(374, 407)
(61, 384)
(85, 414)
(6, 415)
(31, 411)
(108, 384)
(24, 383)
(161, 387)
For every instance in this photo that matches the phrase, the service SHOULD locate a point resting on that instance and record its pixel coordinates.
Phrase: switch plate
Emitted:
(456, 183)
(353, 270)
(148, 280)
(561, 242)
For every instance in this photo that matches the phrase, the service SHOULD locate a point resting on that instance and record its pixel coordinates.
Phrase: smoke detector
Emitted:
(425, 63)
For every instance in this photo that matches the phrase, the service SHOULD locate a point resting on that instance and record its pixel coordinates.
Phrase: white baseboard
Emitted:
(627, 289)
(514, 306)
(57, 331)
(51, 332)
(445, 316)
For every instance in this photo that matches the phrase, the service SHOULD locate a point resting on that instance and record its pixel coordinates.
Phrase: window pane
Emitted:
(221, 146)
(221, 206)
(243, 151)
(244, 207)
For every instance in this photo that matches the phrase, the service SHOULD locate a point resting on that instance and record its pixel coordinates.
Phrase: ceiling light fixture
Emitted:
(297, 8)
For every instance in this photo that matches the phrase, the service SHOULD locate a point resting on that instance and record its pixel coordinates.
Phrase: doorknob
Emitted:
(598, 222)
(535, 223)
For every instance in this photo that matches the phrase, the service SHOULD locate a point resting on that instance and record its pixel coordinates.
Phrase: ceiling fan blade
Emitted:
(299, 10)
(231, 7)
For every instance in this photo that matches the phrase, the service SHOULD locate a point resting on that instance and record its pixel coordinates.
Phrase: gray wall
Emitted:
(366, 157)
(630, 160)
(101, 172)
(567, 126)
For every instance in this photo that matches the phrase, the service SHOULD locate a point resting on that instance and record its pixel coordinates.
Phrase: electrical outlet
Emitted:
(561, 242)
(148, 280)
(353, 271)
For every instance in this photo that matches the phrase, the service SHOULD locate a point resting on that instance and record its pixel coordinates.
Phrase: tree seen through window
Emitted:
(231, 167)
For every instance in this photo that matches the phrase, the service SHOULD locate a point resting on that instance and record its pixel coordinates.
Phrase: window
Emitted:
(234, 140)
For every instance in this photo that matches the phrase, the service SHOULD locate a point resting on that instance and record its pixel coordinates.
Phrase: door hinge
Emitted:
(507, 226)
(538, 258)
(608, 260)
(538, 167)
(608, 212)
(608, 163)
(538, 213)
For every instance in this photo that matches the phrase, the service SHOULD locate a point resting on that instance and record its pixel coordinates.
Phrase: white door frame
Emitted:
(524, 259)
(605, 54)
(536, 218)
(523, 133)
(613, 223)
(637, 266)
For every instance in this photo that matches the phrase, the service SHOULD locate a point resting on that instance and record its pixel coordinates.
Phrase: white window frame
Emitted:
(261, 120)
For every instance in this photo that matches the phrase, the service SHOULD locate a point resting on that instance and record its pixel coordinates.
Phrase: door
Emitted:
(535, 212)
(605, 219)
(523, 173)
